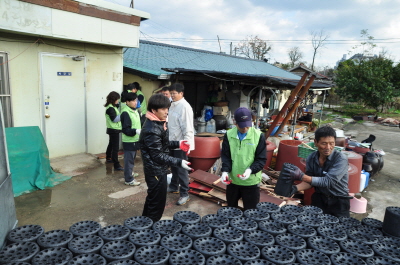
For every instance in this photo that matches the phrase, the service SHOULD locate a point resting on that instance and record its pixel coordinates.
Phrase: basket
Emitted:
(304, 151)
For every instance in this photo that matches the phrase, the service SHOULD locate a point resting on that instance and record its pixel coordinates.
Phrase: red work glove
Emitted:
(184, 146)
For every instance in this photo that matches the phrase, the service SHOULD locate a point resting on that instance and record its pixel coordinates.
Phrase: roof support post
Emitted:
(296, 104)
(291, 98)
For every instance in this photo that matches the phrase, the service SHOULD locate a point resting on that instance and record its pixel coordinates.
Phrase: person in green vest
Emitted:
(113, 124)
(131, 128)
(244, 154)
(136, 88)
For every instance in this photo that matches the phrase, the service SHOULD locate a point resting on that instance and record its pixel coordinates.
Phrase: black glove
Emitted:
(292, 173)
(293, 191)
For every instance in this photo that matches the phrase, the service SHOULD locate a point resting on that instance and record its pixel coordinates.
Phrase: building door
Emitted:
(63, 103)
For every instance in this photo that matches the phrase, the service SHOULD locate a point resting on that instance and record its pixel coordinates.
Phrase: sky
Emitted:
(282, 23)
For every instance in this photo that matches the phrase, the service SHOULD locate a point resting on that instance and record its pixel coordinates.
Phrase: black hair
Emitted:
(325, 131)
(158, 101)
(177, 87)
(134, 85)
(130, 97)
(131, 86)
(166, 88)
(111, 98)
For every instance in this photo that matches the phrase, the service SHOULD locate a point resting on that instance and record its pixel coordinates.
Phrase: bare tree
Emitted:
(295, 55)
(254, 47)
(318, 39)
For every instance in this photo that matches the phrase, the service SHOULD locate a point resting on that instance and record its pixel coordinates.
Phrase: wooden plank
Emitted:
(199, 186)
(219, 185)
(204, 177)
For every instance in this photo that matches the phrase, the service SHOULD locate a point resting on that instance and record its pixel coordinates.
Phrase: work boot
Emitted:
(183, 200)
(133, 183)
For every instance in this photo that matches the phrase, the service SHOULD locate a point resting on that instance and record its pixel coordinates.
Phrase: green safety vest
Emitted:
(143, 105)
(242, 155)
(135, 120)
(110, 124)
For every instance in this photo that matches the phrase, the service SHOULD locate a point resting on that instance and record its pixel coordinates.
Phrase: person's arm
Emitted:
(260, 156)
(187, 123)
(127, 124)
(173, 144)
(226, 156)
(140, 98)
(153, 143)
(113, 115)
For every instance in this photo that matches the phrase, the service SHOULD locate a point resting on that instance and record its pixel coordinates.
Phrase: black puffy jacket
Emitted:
(154, 146)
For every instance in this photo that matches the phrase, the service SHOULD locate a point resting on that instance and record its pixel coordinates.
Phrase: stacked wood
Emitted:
(209, 187)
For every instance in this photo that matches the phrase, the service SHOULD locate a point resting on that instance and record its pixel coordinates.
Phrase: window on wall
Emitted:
(5, 93)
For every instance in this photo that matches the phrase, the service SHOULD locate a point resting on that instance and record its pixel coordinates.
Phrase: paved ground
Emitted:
(384, 189)
(97, 193)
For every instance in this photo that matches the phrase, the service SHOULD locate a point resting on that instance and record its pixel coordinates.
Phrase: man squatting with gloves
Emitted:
(243, 157)
(327, 171)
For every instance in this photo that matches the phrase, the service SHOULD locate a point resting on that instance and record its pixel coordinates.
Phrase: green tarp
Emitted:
(29, 160)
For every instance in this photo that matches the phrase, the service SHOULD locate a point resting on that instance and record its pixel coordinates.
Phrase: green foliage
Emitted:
(370, 82)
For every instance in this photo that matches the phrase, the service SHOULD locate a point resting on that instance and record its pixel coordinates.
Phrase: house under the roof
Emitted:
(154, 60)
(209, 75)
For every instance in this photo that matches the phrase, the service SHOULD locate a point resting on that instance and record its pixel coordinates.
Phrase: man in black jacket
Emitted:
(154, 145)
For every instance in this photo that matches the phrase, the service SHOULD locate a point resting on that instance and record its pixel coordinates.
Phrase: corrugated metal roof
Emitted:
(151, 57)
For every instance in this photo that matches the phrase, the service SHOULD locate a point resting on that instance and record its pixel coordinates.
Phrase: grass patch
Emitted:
(349, 111)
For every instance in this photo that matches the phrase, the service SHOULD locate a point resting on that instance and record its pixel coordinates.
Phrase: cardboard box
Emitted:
(221, 110)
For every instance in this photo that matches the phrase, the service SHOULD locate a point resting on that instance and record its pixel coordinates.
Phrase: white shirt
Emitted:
(180, 122)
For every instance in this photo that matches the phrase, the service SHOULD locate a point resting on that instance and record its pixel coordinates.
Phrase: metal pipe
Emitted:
(295, 105)
(287, 104)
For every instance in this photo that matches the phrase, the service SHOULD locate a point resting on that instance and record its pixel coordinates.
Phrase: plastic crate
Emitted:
(304, 152)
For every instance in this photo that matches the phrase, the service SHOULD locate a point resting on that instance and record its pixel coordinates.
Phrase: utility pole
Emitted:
(219, 44)
(230, 53)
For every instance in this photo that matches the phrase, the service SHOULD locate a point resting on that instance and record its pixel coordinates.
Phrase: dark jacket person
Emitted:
(155, 145)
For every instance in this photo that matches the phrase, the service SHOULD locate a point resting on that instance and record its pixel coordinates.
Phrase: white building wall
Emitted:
(103, 75)
(26, 18)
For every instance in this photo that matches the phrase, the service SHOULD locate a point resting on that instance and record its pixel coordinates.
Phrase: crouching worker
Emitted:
(243, 157)
(131, 128)
(154, 145)
(327, 172)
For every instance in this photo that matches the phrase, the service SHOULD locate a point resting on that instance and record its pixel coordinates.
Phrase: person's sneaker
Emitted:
(133, 183)
(109, 160)
(183, 200)
(135, 175)
(119, 168)
(169, 190)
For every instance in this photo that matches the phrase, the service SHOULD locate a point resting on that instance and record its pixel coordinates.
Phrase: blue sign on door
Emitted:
(64, 73)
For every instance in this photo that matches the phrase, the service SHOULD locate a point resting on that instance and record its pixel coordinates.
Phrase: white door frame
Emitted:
(42, 108)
